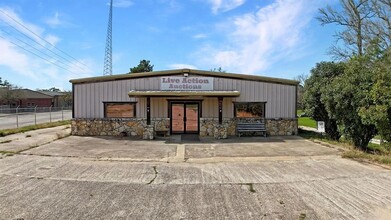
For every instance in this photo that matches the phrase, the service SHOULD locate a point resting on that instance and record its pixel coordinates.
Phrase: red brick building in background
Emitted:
(26, 98)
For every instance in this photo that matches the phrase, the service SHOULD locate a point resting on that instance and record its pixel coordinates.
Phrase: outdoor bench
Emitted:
(251, 127)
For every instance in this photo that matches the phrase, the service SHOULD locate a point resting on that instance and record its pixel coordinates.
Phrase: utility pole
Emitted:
(108, 62)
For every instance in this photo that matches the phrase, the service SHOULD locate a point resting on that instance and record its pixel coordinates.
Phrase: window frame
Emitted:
(105, 103)
(248, 104)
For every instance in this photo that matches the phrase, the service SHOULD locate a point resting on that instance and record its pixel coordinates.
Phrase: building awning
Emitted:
(134, 93)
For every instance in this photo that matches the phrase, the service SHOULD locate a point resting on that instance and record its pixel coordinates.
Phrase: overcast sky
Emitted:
(44, 43)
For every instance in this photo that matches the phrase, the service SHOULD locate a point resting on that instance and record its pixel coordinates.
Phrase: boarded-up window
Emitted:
(120, 110)
(249, 110)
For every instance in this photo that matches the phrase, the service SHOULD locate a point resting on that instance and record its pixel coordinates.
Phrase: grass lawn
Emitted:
(6, 132)
(306, 121)
(309, 122)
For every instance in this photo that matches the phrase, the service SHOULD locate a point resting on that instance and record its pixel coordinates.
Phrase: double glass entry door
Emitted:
(184, 118)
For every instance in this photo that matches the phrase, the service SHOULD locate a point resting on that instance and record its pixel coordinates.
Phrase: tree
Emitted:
(322, 75)
(380, 27)
(143, 66)
(66, 98)
(53, 89)
(9, 93)
(4, 83)
(354, 17)
(220, 70)
(300, 89)
(346, 95)
(360, 98)
(379, 112)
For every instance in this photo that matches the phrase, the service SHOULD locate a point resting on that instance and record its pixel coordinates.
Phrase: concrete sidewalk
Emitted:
(15, 143)
(135, 150)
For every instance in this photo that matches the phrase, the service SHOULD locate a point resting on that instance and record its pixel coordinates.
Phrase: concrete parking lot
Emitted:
(247, 178)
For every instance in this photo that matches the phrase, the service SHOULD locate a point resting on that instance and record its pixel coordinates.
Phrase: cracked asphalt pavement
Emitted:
(254, 178)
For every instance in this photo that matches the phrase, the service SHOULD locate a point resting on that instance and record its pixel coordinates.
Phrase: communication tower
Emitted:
(108, 62)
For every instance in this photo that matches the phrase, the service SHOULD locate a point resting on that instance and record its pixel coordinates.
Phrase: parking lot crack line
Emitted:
(156, 172)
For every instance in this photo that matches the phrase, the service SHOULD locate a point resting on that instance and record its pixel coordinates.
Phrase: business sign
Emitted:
(181, 83)
(321, 126)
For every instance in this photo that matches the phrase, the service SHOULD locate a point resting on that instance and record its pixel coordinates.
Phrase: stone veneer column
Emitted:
(220, 131)
(149, 132)
(211, 127)
(281, 127)
(162, 125)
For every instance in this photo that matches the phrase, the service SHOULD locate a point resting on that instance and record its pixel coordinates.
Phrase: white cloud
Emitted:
(200, 36)
(122, 3)
(9, 18)
(170, 6)
(225, 5)
(80, 71)
(54, 21)
(13, 59)
(257, 40)
(181, 66)
(16, 59)
(53, 40)
(58, 20)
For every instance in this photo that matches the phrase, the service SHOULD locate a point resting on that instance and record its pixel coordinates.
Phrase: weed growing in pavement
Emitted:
(250, 187)
(7, 153)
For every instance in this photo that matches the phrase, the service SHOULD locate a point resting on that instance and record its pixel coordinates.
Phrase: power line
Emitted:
(39, 38)
(1, 10)
(37, 55)
(36, 49)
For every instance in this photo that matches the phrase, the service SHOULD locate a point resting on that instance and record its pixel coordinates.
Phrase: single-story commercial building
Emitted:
(24, 98)
(181, 102)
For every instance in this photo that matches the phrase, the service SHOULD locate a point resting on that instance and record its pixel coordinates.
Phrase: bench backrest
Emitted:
(250, 125)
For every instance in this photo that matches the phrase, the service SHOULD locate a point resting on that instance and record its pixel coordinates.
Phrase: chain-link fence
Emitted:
(19, 117)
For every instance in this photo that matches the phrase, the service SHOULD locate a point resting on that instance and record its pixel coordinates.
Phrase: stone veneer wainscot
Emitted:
(138, 127)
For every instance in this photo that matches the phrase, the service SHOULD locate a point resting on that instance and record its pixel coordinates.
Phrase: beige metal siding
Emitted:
(228, 108)
(280, 98)
(159, 107)
(89, 97)
(210, 108)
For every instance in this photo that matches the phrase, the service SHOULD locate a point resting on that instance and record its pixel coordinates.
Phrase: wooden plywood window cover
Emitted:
(249, 109)
(120, 109)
